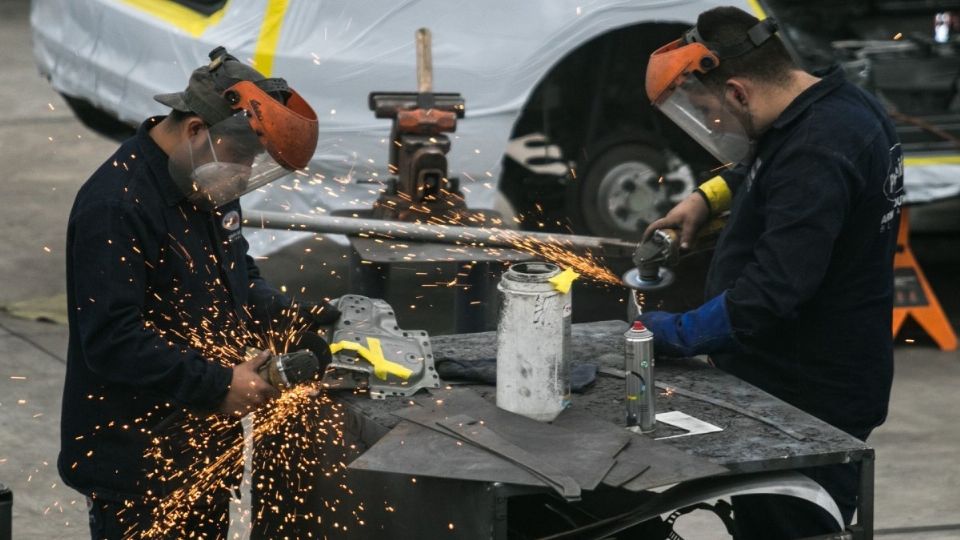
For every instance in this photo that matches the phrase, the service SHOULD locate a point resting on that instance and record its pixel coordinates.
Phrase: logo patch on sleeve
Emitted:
(231, 221)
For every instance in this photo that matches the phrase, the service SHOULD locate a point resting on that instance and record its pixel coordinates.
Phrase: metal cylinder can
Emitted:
(533, 342)
(641, 396)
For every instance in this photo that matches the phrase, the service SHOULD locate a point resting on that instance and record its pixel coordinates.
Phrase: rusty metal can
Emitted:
(641, 397)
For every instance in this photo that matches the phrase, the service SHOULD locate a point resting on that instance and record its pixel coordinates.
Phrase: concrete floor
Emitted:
(47, 154)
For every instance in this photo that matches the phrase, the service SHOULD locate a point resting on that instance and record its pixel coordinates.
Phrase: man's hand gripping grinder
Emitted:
(284, 371)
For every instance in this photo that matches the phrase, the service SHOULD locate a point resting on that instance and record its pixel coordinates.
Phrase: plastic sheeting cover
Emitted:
(117, 54)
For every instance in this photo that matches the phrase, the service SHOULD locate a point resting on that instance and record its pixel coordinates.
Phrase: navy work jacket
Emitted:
(157, 292)
(807, 256)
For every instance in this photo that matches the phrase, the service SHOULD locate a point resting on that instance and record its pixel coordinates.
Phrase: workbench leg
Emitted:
(863, 530)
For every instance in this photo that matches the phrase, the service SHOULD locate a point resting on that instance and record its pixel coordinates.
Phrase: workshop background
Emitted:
(47, 154)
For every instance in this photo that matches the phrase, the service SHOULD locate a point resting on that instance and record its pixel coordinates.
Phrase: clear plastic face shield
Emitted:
(264, 139)
(220, 163)
(673, 85)
(704, 115)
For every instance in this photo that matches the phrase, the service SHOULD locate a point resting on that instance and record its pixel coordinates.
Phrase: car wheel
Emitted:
(622, 190)
(99, 120)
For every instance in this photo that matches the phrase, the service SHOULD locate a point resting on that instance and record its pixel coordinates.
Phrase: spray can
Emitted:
(533, 342)
(638, 365)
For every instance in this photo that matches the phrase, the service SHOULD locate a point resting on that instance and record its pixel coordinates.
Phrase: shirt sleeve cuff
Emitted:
(215, 387)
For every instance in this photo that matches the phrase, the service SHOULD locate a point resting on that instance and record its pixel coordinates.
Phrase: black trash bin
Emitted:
(6, 513)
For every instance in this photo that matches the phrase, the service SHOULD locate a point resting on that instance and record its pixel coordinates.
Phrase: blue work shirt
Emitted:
(162, 297)
(807, 256)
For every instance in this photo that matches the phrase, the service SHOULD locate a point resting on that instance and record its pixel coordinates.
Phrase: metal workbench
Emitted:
(396, 506)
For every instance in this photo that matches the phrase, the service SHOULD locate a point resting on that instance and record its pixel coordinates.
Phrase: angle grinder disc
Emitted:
(633, 280)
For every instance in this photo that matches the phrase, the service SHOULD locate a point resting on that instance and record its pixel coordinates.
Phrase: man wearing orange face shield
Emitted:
(163, 298)
(799, 294)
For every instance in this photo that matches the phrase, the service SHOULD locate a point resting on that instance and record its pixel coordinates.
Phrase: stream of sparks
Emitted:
(295, 438)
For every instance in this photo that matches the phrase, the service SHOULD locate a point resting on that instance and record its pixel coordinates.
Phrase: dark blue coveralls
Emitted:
(806, 261)
(151, 282)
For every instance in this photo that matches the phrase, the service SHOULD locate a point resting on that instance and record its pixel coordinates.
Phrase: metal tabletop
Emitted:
(783, 438)
(744, 445)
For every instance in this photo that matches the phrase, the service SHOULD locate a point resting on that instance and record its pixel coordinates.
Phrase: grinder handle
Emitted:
(424, 61)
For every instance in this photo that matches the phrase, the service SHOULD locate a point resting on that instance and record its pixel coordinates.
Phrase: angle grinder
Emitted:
(655, 256)
(651, 261)
(284, 371)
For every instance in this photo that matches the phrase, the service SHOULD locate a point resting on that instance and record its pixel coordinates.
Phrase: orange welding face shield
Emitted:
(673, 86)
(262, 140)
(675, 89)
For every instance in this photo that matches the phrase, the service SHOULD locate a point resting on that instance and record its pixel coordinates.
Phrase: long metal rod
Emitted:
(424, 232)
(690, 394)
(735, 408)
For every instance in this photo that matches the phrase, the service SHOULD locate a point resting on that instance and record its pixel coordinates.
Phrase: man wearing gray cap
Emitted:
(163, 298)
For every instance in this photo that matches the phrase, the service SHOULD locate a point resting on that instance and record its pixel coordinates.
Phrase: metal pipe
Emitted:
(428, 232)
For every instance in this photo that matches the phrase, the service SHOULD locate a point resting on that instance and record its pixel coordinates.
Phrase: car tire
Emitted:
(99, 120)
(619, 191)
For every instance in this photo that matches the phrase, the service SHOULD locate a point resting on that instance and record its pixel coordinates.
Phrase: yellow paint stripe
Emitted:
(269, 36)
(184, 18)
(374, 354)
(757, 9)
(931, 160)
(564, 280)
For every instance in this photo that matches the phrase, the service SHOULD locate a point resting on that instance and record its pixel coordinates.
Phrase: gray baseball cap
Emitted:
(204, 93)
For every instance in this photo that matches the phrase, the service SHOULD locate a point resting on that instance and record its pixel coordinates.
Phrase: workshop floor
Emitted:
(47, 154)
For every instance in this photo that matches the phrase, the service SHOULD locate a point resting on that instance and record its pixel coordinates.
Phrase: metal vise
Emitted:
(422, 188)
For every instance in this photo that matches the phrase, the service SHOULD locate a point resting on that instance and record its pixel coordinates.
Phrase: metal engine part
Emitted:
(371, 351)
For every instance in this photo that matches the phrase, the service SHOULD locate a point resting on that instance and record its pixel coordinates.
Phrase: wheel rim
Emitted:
(628, 196)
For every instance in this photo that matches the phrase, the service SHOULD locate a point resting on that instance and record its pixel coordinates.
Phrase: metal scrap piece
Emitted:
(472, 431)
(619, 373)
(731, 407)
(413, 450)
(373, 352)
(580, 454)
(643, 463)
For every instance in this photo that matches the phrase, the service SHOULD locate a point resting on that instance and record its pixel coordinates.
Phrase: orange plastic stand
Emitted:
(913, 295)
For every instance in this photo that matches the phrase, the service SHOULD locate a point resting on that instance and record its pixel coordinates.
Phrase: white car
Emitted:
(556, 86)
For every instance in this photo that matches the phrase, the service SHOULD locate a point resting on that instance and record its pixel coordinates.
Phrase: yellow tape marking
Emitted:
(373, 353)
(564, 280)
(269, 36)
(182, 17)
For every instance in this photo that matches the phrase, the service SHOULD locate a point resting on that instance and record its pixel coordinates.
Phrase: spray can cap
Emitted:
(637, 325)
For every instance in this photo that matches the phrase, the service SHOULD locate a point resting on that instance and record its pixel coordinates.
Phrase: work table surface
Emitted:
(745, 444)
